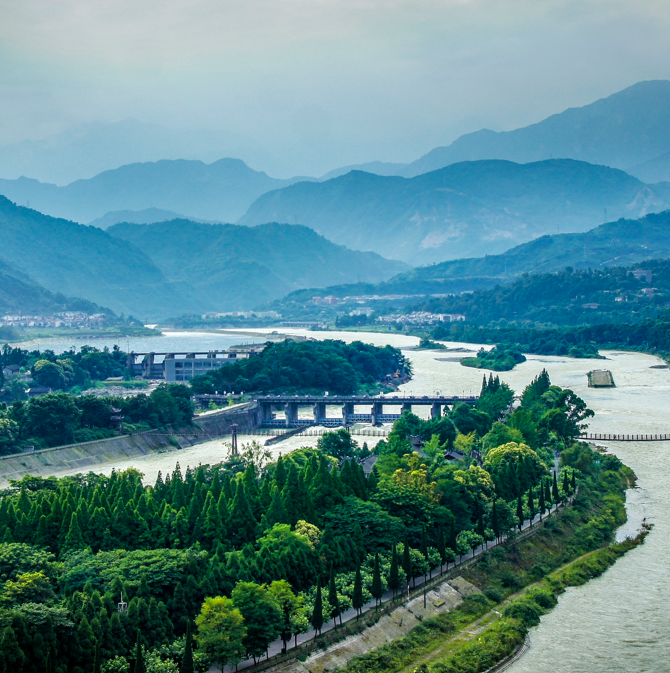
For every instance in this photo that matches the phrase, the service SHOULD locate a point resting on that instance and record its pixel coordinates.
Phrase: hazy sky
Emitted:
(320, 83)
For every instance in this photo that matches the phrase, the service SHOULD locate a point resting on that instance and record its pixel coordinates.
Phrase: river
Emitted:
(618, 622)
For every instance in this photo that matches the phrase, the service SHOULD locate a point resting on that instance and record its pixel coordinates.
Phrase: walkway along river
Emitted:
(617, 623)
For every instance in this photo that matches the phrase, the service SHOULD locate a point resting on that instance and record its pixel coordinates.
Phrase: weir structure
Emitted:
(376, 415)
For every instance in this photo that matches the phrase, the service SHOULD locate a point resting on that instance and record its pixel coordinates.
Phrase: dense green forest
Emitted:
(567, 297)
(61, 418)
(290, 366)
(579, 341)
(247, 548)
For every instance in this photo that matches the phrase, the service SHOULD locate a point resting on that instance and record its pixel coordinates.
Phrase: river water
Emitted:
(619, 622)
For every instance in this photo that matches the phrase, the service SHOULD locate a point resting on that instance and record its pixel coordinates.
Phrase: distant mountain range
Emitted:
(89, 149)
(221, 191)
(614, 244)
(157, 271)
(624, 130)
(464, 210)
(145, 216)
(621, 243)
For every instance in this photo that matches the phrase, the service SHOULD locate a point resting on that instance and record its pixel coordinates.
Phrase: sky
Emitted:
(305, 86)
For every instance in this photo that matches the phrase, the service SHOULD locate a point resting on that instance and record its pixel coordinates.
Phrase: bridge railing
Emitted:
(613, 437)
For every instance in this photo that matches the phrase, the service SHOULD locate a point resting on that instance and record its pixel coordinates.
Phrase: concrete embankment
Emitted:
(104, 451)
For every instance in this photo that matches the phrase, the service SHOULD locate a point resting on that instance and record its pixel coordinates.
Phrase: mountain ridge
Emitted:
(462, 210)
(622, 130)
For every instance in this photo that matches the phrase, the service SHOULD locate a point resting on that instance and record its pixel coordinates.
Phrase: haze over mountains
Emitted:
(623, 130)
(85, 151)
(177, 267)
(221, 191)
(463, 210)
(620, 243)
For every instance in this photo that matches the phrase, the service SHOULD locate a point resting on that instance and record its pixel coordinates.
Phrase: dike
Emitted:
(86, 455)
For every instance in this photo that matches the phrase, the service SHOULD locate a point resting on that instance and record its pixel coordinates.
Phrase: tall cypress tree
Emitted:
(332, 597)
(554, 490)
(542, 506)
(547, 493)
(394, 575)
(74, 538)
(424, 543)
(357, 598)
(139, 657)
(376, 589)
(407, 560)
(531, 503)
(452, 536)
(187, 661)
(96, 661)
(495, 522)
(441, 547)
(519, 511)
(573, 482)
(481, 530)
(566, 487)
(317, 612)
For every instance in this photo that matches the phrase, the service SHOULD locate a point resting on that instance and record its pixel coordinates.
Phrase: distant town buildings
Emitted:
(421, 318)
(243, 314)
(66, 319)
(330, 300)
(642, 274)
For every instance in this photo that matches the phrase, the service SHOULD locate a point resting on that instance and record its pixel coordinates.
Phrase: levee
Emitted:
(88, 454)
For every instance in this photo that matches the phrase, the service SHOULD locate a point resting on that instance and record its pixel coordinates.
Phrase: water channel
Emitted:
(619, 622)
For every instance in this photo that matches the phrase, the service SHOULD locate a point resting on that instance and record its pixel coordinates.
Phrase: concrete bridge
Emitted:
(376, 415)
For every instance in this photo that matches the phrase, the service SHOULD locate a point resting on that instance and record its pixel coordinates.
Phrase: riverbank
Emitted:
(92, 455)
(510, 587)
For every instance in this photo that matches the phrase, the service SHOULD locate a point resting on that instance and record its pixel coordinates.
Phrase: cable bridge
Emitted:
(376, 410)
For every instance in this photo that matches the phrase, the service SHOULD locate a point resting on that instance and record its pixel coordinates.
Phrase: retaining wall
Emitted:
(85, 455)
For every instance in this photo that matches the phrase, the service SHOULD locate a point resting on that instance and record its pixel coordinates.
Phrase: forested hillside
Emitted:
(244, 552)
(20, 294)
(567, 297)
(231, 267)
(466, 209)
(157, 271)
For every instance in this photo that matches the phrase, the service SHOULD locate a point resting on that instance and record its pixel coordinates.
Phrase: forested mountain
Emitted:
(20, 294)
(465, 210)
(623, 130)
(145, 216)
(619, 243)
(80, 261)
(231, 267)
(567, 297)
(155, 271)
(221, 191)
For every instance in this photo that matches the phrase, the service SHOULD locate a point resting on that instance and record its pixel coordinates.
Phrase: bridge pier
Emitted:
(347, 413)
(376, 411)
(291, 413)
(319, 412)
(406, 406)
(436, 410)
